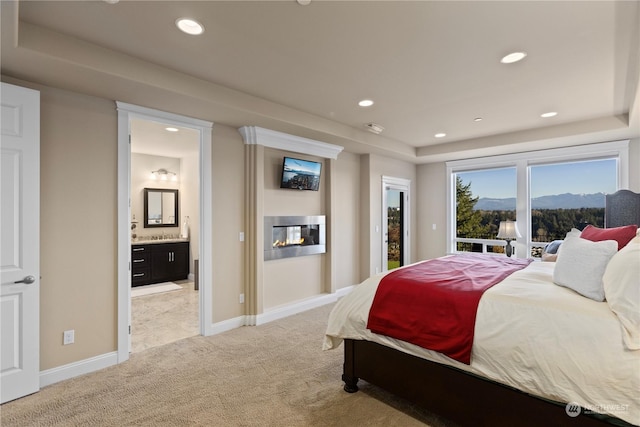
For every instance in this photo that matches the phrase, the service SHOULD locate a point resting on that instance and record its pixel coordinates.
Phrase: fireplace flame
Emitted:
(283, 243)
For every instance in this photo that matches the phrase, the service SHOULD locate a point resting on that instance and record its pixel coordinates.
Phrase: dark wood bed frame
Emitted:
(462, 397)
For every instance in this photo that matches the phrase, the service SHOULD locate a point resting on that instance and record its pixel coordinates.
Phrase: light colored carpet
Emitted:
(157, 288)
(270, 375)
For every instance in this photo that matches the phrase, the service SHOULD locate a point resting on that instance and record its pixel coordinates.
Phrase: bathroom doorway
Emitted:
(165, 161)
(144, 142)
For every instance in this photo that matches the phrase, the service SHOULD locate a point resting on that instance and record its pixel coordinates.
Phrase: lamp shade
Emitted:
(508, 230)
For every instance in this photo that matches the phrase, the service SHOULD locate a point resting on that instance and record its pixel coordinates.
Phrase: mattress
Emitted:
(532, 335)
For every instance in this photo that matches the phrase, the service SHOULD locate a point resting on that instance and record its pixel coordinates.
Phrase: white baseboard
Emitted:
(279, 312)
(226, 325)
(72, 370)
(294, 308)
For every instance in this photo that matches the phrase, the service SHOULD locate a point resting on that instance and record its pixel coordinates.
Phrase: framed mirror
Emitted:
(160, 207)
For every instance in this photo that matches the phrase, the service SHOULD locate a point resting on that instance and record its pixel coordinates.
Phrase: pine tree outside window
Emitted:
(483, 199)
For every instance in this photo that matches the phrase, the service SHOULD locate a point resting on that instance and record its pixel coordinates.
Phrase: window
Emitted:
(568, 195)
(483, 199)
(547, 192)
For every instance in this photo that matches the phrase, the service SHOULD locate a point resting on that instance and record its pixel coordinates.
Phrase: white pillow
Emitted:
(581, 264)
(574, 232)
(622, 289)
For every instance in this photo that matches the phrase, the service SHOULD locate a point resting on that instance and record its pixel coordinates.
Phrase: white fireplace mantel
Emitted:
(254, 135)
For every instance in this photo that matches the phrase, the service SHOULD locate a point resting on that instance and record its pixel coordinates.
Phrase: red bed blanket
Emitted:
(433, 304)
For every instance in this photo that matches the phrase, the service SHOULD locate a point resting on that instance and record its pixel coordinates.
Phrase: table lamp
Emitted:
(508, 231)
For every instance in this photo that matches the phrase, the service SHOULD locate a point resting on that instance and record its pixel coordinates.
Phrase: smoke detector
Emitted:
(373, 127)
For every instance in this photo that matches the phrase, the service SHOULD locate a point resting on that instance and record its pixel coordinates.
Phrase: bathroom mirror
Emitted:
(160, 207)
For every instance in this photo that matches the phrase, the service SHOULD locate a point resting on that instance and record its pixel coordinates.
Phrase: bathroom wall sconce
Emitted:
(164, 175)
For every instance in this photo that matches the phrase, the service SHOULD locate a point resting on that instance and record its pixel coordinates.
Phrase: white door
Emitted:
(20, 250)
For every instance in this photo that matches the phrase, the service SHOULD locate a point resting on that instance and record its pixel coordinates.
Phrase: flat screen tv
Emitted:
(300, 174)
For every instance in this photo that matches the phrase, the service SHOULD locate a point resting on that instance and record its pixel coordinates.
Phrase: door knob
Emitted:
(28, 280)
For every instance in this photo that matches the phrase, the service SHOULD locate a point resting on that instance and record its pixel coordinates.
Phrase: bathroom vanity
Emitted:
(158, 261)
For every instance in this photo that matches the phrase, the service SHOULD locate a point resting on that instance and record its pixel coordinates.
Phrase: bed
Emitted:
(542, 353)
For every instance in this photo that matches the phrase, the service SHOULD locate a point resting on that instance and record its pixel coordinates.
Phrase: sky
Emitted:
(587, 177)
(393, 198)
(305, 166)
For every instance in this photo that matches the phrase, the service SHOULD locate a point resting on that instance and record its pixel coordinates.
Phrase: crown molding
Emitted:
(254, 135)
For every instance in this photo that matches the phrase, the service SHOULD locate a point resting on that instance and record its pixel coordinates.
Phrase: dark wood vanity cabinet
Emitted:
(159, 262)
(140, 265)
(169, 261)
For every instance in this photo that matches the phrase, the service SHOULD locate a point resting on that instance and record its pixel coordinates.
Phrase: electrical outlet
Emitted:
(241, 298)
(68, 337)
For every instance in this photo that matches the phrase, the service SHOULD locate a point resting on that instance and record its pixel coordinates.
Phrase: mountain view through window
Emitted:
(562, 196)
(569, 195)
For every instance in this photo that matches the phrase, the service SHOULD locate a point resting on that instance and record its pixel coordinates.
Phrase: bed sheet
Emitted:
(532, 335)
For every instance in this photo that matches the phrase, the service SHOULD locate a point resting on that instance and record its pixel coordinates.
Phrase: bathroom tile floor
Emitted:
(159, 319)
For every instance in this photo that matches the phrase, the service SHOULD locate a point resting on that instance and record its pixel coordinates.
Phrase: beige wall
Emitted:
(366, 226)
(292, 279)
(78, 226)
(228, 221)
(346, 194)
(431, 203)
(278, 201)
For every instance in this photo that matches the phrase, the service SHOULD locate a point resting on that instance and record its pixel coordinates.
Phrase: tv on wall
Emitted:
(300, 174)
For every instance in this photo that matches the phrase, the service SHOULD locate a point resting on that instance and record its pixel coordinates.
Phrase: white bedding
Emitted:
(530, 334)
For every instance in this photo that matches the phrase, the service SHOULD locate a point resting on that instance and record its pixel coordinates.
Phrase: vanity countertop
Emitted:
(151, 242)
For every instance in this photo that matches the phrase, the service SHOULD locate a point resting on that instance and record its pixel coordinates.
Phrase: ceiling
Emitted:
(430, 67)
(151, 137)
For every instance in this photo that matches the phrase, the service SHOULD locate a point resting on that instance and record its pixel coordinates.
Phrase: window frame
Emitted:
(618, 150)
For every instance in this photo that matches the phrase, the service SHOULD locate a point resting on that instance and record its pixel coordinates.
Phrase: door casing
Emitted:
(402, 185)
(126, 112)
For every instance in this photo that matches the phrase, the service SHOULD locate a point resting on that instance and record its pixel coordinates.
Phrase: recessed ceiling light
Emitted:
(549, 114)
(440, 135)
(190, 26)
(513, 57)
(365, 103)
(170, 129)
(303, 2)
(477, 119)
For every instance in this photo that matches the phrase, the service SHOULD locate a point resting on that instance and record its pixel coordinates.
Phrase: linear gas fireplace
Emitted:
(292, 236)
